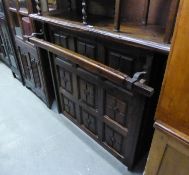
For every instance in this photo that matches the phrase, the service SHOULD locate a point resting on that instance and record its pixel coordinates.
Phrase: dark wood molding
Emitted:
(94, 66)
(111, 36)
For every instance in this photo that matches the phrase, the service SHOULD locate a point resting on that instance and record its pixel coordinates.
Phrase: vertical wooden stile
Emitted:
(171, 21)
(117, 15)
(146, 12)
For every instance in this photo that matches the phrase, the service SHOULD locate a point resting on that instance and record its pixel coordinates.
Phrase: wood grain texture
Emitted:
(94, 66)
(35, 71)
(168, 155)
(173, 105)
(104, 34)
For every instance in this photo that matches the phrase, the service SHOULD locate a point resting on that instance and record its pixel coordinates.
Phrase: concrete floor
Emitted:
(37, 141)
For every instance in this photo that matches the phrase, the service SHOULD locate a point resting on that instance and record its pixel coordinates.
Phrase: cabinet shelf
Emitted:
(121, 37)
(153, 33)
(150, 32)
(146, 19)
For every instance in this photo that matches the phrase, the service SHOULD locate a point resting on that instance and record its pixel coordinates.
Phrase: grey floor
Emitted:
(37, 141)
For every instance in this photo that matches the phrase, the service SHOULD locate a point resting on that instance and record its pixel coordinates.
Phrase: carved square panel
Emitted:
(56, 38)
(121, 62)
(68, 106)
(86, 49)
(60, 39)
(87, 92)
(81, 47)
(26, 66)
(116, 109)
(113, 139)
(89, 121)
(35, 71)
(66, 80)
(63, 41)
(90, 51)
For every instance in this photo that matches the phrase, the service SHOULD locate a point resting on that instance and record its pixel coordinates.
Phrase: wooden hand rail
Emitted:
(96, 67)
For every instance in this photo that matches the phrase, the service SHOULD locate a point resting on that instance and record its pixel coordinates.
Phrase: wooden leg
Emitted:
(84, 11)
(117, 15)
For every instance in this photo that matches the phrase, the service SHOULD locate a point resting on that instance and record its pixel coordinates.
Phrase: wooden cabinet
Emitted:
(117, 115)
(34, 68)
(7, 47)
(104, 79)
(146, 19)
(121, 57)
(33, 72)
(169, 152)
(170, 147)
(107, 61)
(102, 109)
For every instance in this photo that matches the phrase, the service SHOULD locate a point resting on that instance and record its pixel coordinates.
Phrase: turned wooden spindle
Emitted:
(146, 12)
(84, 11)
(117, 15)
(38, 6)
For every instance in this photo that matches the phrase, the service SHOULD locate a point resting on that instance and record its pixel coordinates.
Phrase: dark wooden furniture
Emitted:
(107, 61)
(169, 153)
(106, 83)
(170, 147)
(146, 19)
(34, 69)
(7, 49)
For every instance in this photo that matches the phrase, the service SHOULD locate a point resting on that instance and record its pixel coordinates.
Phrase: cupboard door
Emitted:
(104, 110)
(31, 68)
(67, 88)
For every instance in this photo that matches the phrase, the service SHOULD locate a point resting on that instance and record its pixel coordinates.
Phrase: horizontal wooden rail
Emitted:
(95, 67)
(103, 34)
